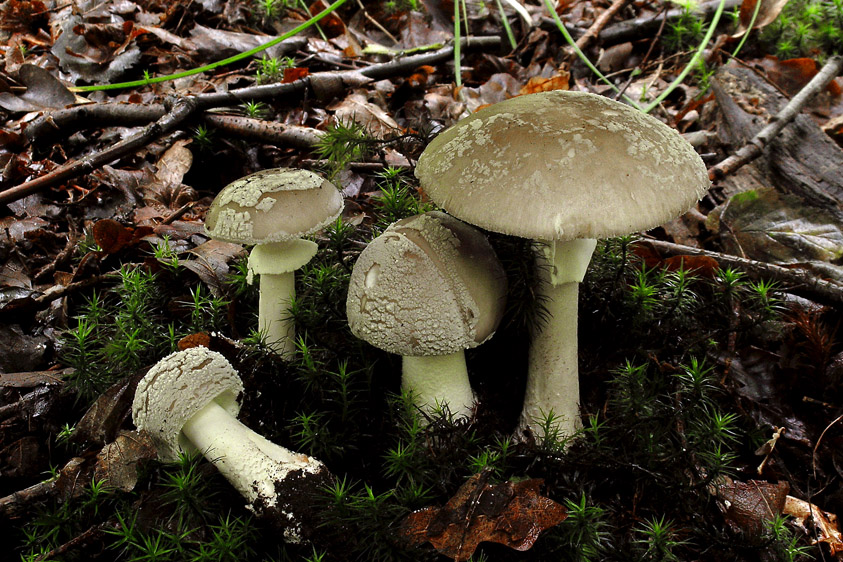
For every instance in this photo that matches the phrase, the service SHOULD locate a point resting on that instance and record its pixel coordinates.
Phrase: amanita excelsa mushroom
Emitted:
(274, 209)
(188, 402)
(428, 288)
(561, 168)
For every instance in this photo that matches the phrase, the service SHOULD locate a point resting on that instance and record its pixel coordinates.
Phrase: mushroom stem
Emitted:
(274, 320)
(439, 380)
(553, 379)
(251, 463)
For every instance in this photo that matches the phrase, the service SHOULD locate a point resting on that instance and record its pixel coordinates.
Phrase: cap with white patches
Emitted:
(273, 205)
(429, 285)
(562, 165)
(176, 388)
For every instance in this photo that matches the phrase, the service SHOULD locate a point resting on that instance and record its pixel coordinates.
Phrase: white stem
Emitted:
(439, 379)
(251, 463)
(553, 377)
(276, 292)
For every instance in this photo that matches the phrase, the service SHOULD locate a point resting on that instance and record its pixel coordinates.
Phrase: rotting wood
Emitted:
(769, 134)
(800, 160)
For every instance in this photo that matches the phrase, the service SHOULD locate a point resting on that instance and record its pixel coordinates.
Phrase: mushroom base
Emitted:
(439, 380)
(252, 464)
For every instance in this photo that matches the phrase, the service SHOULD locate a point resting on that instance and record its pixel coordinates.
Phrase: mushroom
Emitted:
(561, 168)
(188, 402)
(274, 209)
(428, 288)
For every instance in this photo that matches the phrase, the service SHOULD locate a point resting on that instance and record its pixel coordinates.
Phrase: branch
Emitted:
(798, 281)
(759, 142)
(181, 110)
(323, 83)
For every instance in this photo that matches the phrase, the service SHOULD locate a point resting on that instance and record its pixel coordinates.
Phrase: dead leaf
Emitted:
(511, 513)
(767, 13)
(824, 522)
(166, 187)
(111, 236)
(791, 75)
(117, 462)
(212, 263)
(43, 91)
(358, 109)
(103, 419)
(749, 506)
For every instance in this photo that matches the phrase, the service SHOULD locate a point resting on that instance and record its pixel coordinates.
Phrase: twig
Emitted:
(181, 110)
(759, 142)
(638, 27)
(91, 534)
(602, 20)
(80, 117)
(269, 132)
(797, 280)
(58, 291)
(185, 107)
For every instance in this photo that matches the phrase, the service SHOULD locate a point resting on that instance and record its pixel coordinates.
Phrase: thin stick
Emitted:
(797, 280)
(759, 142)
(601, 22)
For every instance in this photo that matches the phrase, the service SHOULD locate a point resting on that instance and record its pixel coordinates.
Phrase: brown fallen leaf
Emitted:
(117, 462)
(510, 513)
(749, 506)
(767, 13)
(825, 523)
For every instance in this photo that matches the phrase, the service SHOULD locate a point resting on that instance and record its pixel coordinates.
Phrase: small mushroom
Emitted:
(188, 402)
(273, 209)
(428, 288)
(561, 168)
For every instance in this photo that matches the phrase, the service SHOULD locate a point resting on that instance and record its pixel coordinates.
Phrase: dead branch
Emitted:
(797, 281)
(759, 142)
(68, 121)
(268, 132)
(592, 32)
(181, 110)
(639, 27)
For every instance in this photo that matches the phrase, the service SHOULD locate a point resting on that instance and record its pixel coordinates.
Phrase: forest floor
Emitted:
(711, 350)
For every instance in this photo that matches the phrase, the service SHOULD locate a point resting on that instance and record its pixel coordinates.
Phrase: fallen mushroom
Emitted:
(561, 168)
(428, 288)
(274, 209)
(188, 402)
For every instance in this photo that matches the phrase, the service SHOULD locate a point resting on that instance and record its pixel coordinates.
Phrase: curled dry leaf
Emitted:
(825, 523)
(510, 513)
(767, 13)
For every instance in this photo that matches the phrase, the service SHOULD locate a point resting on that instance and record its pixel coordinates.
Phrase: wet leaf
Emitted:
(117, 462)
(511, 513)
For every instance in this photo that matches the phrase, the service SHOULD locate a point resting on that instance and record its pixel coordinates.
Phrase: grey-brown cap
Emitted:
(562, 165)
(273, 205)
(176, 388)
(429, 285)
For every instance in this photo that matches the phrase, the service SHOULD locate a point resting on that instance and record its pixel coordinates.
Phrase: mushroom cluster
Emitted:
(274, 209)
(188, 402)
(428, 288)
(563, 169)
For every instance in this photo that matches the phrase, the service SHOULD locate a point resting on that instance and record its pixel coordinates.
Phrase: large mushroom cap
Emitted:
(176, 388)
(273, 205)
(562, 165)
(429, 285)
